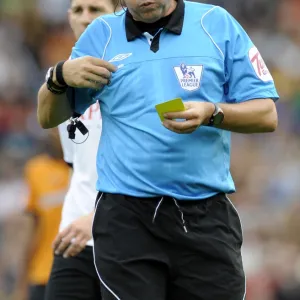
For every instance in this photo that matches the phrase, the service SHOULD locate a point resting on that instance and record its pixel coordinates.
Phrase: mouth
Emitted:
(148, 4)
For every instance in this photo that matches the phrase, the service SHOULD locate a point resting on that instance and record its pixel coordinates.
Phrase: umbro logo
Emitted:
(120, 57)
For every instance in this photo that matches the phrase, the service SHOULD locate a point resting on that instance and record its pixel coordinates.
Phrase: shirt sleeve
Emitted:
(66, 143)
(91, 43)
(32, 203)
(246, 72)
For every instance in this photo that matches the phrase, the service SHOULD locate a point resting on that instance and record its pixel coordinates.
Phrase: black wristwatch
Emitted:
(59, 73)
(217, 117)
(52, 87)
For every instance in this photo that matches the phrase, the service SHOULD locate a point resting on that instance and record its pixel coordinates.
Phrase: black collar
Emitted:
(174, 25)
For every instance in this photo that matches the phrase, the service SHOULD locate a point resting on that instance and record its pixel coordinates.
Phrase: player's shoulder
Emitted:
(204, 10)
(36, 163)
(37, 160)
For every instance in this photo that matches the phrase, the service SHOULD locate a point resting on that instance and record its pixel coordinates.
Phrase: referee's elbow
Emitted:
(271, 123)
(46, 120)
(43, 123)
(43, 118)
(272, 126)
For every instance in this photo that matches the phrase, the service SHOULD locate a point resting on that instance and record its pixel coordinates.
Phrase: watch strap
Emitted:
(212, 118)
(59, 73)
(54, 88)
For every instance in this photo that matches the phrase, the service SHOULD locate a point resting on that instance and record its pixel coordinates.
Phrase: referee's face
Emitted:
(150, 11)
(83, 12)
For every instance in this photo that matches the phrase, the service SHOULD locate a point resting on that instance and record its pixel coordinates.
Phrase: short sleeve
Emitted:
(66, 143)
(247, 74)
(91, 43)
(32, 201)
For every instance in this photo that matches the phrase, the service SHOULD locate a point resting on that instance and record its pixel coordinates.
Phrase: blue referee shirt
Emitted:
(203, 54)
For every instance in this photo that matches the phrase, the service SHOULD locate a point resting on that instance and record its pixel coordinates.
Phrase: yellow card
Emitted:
(169, 106)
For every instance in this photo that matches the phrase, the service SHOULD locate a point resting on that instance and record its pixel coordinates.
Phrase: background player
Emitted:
(75, 277)
(47, 177)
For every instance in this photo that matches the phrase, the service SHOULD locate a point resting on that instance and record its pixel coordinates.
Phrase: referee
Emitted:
(164, 227)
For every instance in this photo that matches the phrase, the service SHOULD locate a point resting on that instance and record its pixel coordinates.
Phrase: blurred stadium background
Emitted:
(34, 35)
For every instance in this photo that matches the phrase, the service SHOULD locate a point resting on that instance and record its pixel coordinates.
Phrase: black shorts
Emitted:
(37, 292)
(74, 278)
(163, 249)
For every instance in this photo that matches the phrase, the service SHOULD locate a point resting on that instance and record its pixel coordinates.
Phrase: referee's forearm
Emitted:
(52, 109)
(253, 116)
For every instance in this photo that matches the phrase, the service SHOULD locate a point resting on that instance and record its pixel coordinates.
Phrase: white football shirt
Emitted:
(81, 196)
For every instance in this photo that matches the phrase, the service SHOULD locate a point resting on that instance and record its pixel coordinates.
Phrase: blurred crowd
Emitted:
(34, 34)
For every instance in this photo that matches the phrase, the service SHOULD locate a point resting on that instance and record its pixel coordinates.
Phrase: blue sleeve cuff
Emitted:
(80, 99)
(258, 95)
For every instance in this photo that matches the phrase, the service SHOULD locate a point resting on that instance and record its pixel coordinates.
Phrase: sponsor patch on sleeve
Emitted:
(259, 65)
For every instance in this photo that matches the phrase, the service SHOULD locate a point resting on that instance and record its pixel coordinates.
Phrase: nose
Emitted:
(86, 18)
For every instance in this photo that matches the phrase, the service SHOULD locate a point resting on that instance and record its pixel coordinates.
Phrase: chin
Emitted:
(151, 18)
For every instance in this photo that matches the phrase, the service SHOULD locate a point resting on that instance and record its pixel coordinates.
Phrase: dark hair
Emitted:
(118, 3)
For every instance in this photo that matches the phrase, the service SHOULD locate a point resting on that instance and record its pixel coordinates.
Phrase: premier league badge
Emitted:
(189, 76)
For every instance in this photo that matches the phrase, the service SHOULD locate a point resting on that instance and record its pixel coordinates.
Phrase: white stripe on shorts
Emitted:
(106, 286)
(242, 234)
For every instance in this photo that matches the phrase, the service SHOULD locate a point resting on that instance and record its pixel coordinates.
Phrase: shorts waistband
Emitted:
(169, 199)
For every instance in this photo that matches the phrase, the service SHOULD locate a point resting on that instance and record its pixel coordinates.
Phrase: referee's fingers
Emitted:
(181, 127)
(102, 63)
(95, 78)
(91, 84)
(186, 114)
(100, 71)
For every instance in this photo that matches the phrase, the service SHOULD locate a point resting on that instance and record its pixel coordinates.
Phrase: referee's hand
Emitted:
(195, 114)
(87, 72)
(72, 240)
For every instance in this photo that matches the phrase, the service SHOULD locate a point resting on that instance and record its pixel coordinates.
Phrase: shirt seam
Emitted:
(208, 34)
(182, 57)
(109, 37)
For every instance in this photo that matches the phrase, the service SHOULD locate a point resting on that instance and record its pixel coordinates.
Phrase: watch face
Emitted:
(218, 119)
